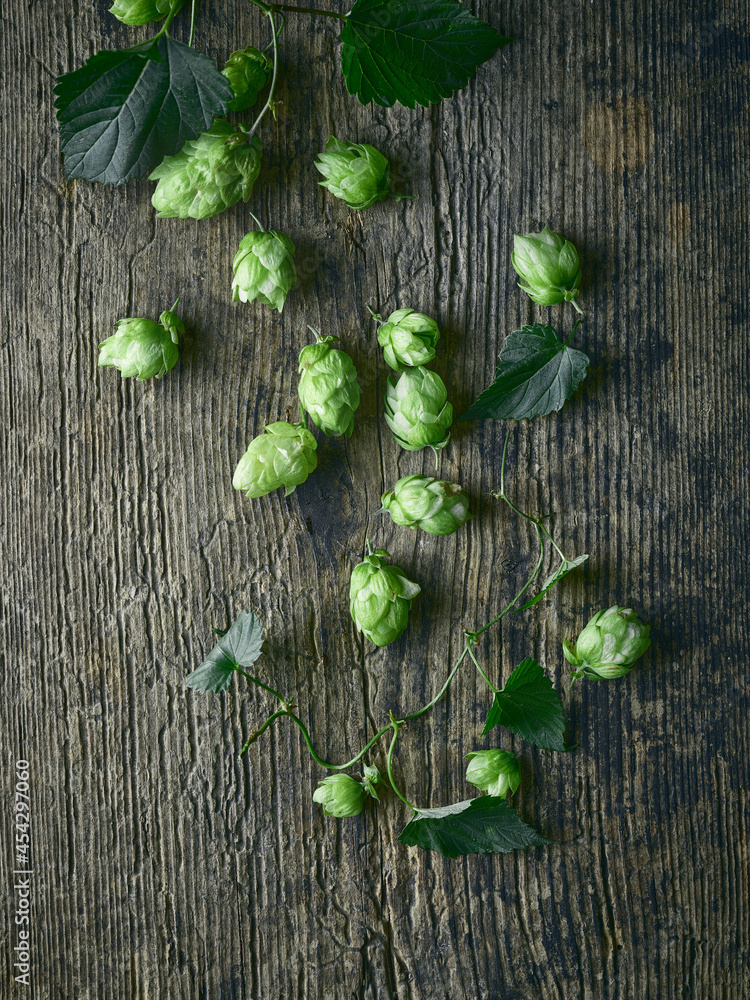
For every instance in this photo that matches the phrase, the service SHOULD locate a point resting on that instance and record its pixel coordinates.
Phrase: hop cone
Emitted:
(548, 267)
(328, 388)
(341, 795)
(437, 507)
(143, 11)
(283, 455)
(494, 771)
(247, 71)
(355, 172)
(408, 339)
(264, 269)
(143, 348)
(379, 598)
(609, 645)
(416, 410)
(209, 174)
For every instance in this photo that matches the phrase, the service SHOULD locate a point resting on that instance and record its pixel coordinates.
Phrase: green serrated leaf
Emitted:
(536, 373)
(407, 52)
(239, 646)
(244, 640)
(125, 110)
(565, 567)
(530, 707)
(214, 674)
(487, 825)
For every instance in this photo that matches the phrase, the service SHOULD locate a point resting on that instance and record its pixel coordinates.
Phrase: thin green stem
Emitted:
(395, 726)
(254, 736)
(522, 591)
(441, 692)
(488, 682)
(306, 10)
(192, 24)
(275, 38)
(502, 465)
(260, 684)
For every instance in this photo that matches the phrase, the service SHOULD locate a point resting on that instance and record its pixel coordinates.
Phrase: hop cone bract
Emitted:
(208, 175)
(142, 11)
(355, 172)
(283, 455)
(408, 339)
(548, 267)
(417, 411)
(609, 645)
(494, 771)
(143, 348)
(264, 269)
(247, 71)
(436, 506)
(380, 597)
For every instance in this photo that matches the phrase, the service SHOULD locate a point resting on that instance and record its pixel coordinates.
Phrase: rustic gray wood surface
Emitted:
(165, 866)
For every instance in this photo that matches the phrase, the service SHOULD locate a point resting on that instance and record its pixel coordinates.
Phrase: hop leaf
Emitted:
(283, 455)
(264, 269)
(328, 388)
(437, 507)
(408, 339)
(380, 597)
(208, 175)
(143, 348)
(356, 173)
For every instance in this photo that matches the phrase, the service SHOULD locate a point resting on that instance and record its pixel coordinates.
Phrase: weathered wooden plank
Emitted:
(164, 865)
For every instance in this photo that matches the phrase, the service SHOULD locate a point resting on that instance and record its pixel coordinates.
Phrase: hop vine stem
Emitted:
(279, 7)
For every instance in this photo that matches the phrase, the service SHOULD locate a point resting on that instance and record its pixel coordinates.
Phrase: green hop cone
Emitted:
(609, 645)
(208, 175)
(408, 339)
(355, 172)
(342, 796)
(380, 597)
(142, 11)
(328, 388)
(548, 267)
(143, 348)
(436, 506)
(283, 455)
(494, 771)
(264, 269)
(247, 71)
(417, 411)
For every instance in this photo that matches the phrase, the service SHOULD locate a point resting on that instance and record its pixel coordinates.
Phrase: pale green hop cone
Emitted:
(609, 645)
(417, 411)
(143, 348)
(143, 11)
(342, 796)
(408, 339)
(548, 267)
(328, 388)
(208, 175)
(494, 771)
(283, 455)
(264, 269)
(355, 172)
(248, 71)
(380, 597)
(436, 506)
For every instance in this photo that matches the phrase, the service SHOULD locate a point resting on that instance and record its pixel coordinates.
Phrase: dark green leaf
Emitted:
(239, 646)
(407, 52)
(565, 567)
(214, 674)
(244, 640)
(529, 706)
(535, 375)
(125, 110)
(487, 825)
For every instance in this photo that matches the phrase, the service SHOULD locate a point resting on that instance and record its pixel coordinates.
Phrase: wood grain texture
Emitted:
(166, 867)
